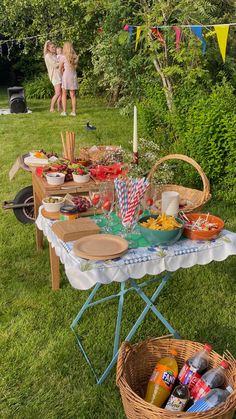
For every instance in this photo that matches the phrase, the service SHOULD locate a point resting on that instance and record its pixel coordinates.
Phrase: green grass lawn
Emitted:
(43, 373)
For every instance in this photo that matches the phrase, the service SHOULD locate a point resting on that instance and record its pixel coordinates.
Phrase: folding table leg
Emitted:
(150, 306)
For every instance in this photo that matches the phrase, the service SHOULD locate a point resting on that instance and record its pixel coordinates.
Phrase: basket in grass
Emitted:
(104, 154)
(190, 199)
(136, 364)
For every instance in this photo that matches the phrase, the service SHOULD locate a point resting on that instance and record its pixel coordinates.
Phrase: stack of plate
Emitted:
(100, 247)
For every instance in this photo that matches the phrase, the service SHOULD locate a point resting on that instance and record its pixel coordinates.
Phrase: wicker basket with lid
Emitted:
(194, 198)
(136, 364)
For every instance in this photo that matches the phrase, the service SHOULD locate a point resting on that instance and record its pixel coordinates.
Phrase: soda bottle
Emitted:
(194, 367)
(212, 399)
(178, 399)
(162, 380)
(213, 378)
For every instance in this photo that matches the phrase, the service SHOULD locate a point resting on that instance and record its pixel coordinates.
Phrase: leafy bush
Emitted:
(154, 117)
(208, 135)
(39, 88)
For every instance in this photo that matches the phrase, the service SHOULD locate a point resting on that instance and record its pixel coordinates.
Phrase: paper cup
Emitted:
(170, 203)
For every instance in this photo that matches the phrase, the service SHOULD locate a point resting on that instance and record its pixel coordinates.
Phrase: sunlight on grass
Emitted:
(43, 374)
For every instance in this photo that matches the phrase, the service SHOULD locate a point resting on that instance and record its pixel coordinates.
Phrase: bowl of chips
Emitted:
(161, 229)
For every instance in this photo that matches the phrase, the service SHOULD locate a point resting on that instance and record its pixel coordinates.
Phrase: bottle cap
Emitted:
(208, 347)
(224, 364)
(173, 352)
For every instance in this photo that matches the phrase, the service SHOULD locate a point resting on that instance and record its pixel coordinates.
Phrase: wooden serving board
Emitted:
(75, 229)
(56, 215)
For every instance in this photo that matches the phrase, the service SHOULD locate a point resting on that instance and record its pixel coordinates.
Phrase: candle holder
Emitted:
(135, 157)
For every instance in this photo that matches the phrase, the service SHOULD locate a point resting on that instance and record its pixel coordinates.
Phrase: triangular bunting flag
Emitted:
(197, 30)
(222, 32)
(157, 34)
(137, 36)
(177, 36)
(130, 34)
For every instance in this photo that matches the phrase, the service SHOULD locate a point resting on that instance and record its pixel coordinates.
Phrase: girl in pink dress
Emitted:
(67, 66)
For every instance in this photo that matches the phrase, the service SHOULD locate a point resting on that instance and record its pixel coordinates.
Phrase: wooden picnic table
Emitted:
(41, 189)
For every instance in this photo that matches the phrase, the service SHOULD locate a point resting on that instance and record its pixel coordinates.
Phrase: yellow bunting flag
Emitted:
(222, 36)
(137, 36)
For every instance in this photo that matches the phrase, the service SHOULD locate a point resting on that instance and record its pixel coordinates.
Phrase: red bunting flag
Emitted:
(157, 34)
(177, 36)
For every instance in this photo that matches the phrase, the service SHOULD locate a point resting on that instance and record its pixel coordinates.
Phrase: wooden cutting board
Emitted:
(75, 229)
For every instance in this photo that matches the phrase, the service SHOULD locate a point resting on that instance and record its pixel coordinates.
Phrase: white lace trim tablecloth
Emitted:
(84, 274)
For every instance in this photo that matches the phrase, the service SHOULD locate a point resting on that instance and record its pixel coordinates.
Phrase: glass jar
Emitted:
(68, 212)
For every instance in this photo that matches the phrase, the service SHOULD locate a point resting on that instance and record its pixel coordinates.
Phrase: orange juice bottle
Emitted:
(162, 380)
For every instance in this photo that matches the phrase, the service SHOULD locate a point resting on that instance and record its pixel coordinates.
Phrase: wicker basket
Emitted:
(195, 198)
(134, 368)
(103, 154)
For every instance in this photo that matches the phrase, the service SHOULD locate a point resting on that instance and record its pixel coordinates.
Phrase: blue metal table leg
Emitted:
(150, 306)
(85, 306)
(119, 317)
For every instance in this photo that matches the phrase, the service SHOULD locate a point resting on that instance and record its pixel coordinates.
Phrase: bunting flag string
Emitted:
(221, 31)
(6, 45)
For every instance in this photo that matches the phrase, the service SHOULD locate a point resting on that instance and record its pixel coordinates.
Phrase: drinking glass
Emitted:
(129, 231)
(95, 198)
(107, 195)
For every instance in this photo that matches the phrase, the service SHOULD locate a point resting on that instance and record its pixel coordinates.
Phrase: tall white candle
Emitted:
(135, 131)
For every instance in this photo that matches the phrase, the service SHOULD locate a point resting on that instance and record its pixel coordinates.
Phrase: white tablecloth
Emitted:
(84, 274)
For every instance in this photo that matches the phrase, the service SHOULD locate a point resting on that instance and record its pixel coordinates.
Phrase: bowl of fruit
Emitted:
(161, 229)
(81, 174)
(53, 203)
(202, 226)
(55, 178)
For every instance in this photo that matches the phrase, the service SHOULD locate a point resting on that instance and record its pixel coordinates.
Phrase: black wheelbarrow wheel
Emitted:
(25, 214)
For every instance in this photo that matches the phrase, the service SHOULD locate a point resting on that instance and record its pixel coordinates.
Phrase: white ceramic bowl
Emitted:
(53, 206)
(55, 178)
(81, 178)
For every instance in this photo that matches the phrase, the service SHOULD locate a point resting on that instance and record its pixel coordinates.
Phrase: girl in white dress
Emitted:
(68, 64)
(54, 74)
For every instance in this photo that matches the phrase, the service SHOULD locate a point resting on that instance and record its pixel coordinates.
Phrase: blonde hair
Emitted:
(70, 54)
(46, 46)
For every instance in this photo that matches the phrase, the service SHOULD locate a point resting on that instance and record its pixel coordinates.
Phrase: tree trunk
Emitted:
(167, 86)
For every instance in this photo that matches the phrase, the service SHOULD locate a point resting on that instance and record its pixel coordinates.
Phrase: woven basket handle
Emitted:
(205, 181)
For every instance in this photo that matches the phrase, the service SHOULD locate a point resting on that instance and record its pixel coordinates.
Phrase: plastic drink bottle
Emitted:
(194, 367)
(213, 378)
(178, 398)
(211, 399)
(162, 380)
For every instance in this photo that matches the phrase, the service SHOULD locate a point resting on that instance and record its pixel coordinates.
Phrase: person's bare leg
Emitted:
(63, 99)
(57, 89)
(73, 100)
(59, 103)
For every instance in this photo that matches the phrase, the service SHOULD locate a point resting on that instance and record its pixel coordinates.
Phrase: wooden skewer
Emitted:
(63, 145)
